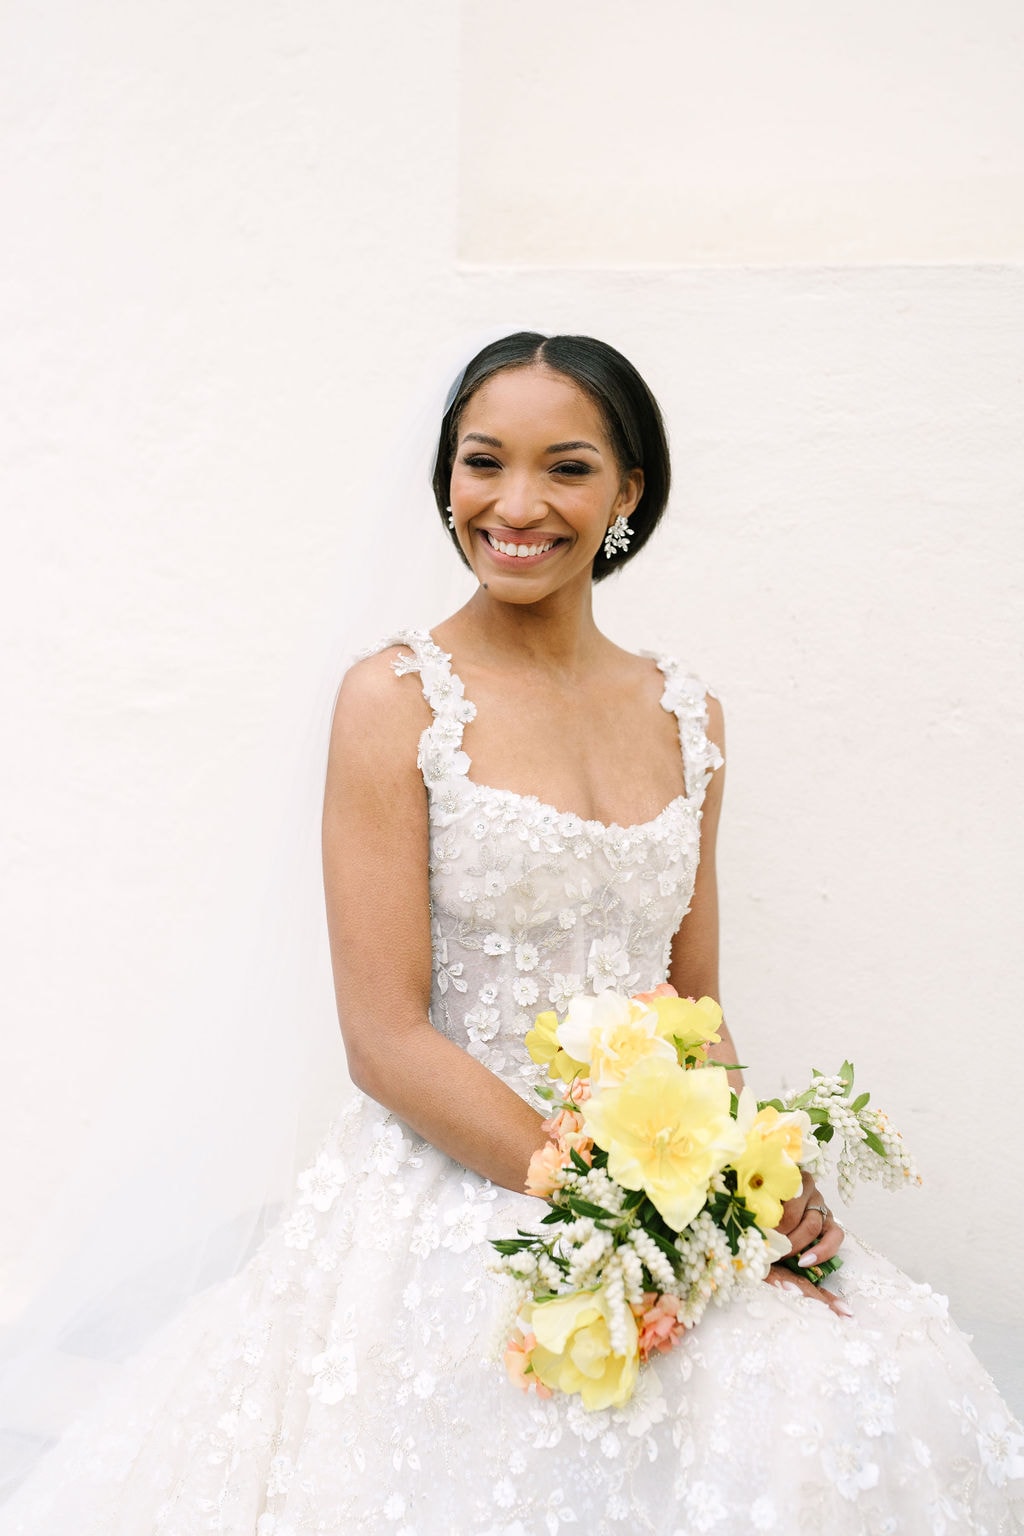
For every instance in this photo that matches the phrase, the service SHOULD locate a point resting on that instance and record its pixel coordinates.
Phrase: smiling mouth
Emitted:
(516, 550)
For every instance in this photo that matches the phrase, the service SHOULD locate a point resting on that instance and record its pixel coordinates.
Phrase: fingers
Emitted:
(793, 1210)
(825, 1246)
(787, 1280)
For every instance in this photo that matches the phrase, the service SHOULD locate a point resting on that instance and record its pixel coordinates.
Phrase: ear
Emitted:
(630, 492)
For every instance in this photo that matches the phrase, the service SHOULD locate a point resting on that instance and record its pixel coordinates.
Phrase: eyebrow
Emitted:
(495, 442)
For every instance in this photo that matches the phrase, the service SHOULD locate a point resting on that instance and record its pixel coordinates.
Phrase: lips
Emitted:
(518, 549)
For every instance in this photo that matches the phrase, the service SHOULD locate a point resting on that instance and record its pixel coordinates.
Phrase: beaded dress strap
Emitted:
(440, 757)
(686, 697)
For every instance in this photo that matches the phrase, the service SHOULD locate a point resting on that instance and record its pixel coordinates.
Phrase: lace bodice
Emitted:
(529, 904)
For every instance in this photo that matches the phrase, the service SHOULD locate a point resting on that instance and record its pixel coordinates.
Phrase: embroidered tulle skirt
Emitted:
(349, 1379)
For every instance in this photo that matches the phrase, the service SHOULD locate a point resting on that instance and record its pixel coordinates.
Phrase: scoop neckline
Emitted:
(544, 807)
(584, 823)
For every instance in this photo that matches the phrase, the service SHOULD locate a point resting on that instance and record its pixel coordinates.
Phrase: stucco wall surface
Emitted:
(237, 235)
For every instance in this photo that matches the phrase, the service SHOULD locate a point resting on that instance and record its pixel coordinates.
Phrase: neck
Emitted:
(557, 636)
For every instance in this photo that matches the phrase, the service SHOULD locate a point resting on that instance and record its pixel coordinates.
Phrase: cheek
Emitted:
(468, 490)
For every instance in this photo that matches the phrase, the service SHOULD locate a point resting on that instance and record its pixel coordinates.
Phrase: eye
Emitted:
(572, 468)
(480, 461)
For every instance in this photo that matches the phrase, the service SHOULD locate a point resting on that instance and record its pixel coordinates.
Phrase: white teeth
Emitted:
(520, 551)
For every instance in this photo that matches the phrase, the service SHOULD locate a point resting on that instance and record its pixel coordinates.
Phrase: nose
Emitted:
(520, 503)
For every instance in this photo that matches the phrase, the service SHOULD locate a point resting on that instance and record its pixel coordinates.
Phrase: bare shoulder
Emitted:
(378, 717)
(635, 669)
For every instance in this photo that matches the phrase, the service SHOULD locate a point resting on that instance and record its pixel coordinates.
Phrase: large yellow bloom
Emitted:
(543, 1047)
(573, 1352)
(694, 1024)
(612, 1033)
(666, 1131)
(768, 1169)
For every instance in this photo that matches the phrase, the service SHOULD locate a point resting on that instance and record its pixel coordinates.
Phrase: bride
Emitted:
(517, 810)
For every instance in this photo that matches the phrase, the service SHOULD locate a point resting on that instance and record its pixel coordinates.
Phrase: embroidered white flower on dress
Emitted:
(1001, 1450)
(427, 1232)
(482, 1024)
(607, 963)
(504, 1494)
(496, 944)
(488, 993)
(850, 1468)
(299, 1230)
(527, 956)
(437, 761)
(566, 919)
(334, 1370)
(645, 1408)
(525, 991)
(466, 1224)
(563, 988)
(389, 1149)
(704, 1505)
(320, 1183)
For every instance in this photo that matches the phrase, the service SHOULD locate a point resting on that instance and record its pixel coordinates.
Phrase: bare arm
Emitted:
(375, 853)
(693, 970)
(694, 973)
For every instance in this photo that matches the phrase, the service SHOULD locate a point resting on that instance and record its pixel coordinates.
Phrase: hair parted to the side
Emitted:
(631, 414)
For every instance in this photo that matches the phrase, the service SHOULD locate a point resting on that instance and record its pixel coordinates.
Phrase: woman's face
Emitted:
(535, 484)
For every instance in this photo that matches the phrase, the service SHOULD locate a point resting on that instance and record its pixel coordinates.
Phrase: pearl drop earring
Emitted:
(617, 537)
(451, 519)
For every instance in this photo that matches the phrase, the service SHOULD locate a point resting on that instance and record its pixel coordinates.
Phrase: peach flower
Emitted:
(658, 1323)
(519, 1367)
(544, 1174)
(562, 1123)
(663, 989)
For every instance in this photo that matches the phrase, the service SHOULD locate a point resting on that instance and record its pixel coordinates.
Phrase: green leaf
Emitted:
(634, 1197)
(845, 1075)
(588, 1208)
(578, 1162)
(859, 1102)
(666, 1245)
(872, 1141)
(772, 1104)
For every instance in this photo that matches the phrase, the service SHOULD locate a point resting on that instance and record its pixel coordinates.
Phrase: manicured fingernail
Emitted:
(807, 1259)
(840, 1306)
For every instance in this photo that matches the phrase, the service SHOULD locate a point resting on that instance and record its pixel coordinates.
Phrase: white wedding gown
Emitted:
(349, 1378)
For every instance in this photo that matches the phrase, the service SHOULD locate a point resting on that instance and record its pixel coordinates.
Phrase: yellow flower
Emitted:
(768, 1169)
(612, 1033)
(666, 1131)
(573, 1352)
(694, 1024)
(544, 1049)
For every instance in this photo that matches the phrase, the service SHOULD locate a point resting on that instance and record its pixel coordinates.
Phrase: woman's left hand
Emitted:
(812, 1230)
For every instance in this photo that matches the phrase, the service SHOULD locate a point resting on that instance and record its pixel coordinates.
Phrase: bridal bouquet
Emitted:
(665, 1188)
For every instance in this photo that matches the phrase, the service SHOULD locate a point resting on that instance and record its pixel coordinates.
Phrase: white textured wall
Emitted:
(232, 235)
